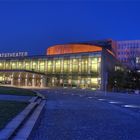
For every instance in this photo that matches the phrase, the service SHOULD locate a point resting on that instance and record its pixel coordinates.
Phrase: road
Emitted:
(87, 115)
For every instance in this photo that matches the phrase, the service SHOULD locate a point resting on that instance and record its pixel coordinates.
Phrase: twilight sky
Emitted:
(33, 26)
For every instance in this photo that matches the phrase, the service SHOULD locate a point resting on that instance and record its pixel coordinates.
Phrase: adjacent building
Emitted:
(128, 52)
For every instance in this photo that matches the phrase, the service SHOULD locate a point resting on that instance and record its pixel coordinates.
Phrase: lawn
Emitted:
(8, 110)
(16, 91)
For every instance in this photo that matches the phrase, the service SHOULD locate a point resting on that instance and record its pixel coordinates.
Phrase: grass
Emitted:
(8, 110)
(16, 91)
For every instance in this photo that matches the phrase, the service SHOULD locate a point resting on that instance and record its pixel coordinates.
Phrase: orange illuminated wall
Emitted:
(72, 48)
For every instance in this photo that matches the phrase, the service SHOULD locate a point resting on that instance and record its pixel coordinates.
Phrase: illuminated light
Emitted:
(111, 52)
(101, 99)
(69, 81)
(34, 63)
(132, 106)
(72, 48)
(99, 59)
(94, 80)
(114, 102)
(93, 88)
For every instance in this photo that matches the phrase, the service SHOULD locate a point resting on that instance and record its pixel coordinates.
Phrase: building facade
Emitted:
(75, 65)
(128, 52)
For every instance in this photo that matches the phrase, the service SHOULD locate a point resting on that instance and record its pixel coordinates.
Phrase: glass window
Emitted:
(94, 60)
(34, 65)
(75, 65)
(41, 66)
(94, 67)
(27, 65)
(94, 81)
(14, 65)
(20, 65)
(57, 66)
(65, 66)
(49, 66)
(7, 65)
(1, 65)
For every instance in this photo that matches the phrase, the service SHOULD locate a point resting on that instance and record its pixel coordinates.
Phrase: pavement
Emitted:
(88, 115)
(15, 98)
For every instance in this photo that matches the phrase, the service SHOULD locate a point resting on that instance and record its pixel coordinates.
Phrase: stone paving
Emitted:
(72, 115)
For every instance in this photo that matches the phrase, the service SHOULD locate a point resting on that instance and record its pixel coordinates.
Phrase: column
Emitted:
(26, 80)
(33, 81)
(12, 80)
(43, 81)
(53, 81)
(19, 79)
(69, 82)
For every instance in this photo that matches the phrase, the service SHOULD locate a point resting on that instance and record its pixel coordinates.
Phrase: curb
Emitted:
(27, 129)
(25, 122)
(16, 122)
(39, 94)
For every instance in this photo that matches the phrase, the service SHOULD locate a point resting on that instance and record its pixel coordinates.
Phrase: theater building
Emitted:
(79, 65)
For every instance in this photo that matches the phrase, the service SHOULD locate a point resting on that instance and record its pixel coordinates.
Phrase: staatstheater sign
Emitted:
(15, 54)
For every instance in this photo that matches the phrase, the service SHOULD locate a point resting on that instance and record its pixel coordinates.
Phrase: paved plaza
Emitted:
(88, 115)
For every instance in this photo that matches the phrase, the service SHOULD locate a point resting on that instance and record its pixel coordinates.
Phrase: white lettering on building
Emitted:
(15, 54)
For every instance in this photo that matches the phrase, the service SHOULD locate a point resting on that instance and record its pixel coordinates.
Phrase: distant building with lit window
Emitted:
(128, 52)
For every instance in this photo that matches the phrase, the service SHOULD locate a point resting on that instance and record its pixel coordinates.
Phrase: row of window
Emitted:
(124, 59)
(55, 66)
(128, 46)
(127, 53)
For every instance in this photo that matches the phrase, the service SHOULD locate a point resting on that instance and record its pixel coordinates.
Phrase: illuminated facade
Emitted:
(80, 69)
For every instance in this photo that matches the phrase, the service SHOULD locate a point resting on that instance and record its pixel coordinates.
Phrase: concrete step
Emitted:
(25, 132)
(33, 99)
(13, 126)
(38, 101)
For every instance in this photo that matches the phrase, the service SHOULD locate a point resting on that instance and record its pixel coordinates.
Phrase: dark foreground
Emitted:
(80, 115)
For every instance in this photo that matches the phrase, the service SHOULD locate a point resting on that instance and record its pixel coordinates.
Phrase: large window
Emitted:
(14, 65)
(2, 65)
(27, 65)
(75, 65)
(94, 65)
(35, 65)
(94, 82)
(57, 66)
(65, 66)
(41, 66)
(20, 65)
(49, 66)
(7, 65)
(84, 67)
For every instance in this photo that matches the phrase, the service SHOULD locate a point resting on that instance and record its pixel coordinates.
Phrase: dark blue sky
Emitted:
(33, 26)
